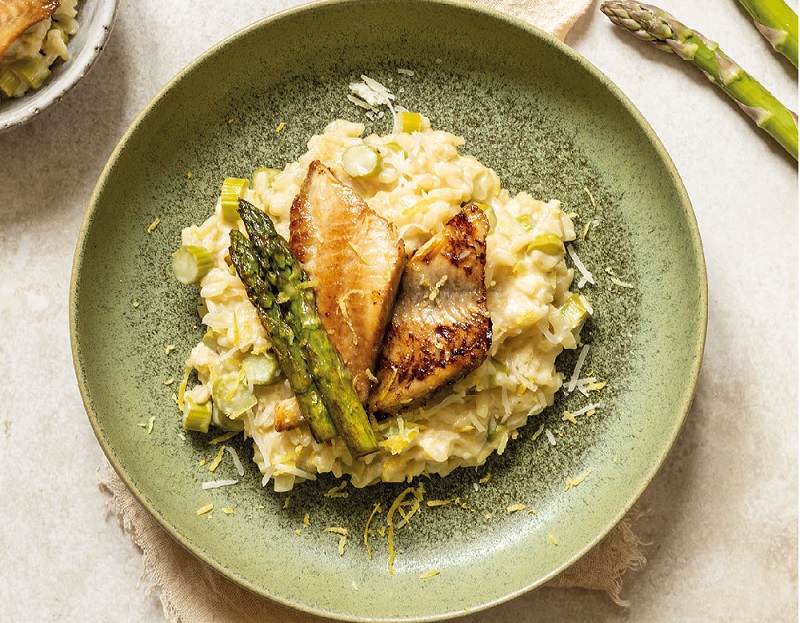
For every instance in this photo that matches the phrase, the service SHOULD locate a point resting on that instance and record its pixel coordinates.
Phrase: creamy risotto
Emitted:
(422, 182)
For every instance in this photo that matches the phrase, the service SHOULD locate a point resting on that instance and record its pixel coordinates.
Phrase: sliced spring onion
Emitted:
(261, 369)
(190, 264)
(196, 416)
(405, 121)
(574, 311)
(32, 70)
(231, 396)
(9, 80)
(232, 190)
(546, 243)
(361, 161)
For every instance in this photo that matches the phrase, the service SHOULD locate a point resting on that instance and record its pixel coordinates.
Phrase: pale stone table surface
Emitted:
(722, 513)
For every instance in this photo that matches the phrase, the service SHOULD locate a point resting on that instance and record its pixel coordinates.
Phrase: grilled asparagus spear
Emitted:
(288, 349)
(335, 381)
(650, 23)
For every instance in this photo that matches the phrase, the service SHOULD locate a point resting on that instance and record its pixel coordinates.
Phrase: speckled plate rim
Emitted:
(72, 72)
(692, 374)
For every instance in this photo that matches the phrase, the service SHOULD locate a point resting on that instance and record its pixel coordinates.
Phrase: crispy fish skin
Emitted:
(440, 328)
(355, 259)
(16, 16)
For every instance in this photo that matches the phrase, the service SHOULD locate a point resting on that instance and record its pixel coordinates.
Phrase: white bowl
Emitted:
(96, 18)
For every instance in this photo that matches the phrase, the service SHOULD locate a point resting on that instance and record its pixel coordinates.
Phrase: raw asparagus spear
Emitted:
(650, 23)
(299, 306)
(288, 349)
(777, 22)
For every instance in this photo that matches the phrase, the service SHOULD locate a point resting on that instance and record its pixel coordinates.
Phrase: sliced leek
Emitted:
(197, 417)
(220, 420)
(32, 70)
(361, 161)
(9, 80)
(575, 312)
(546, 243)
(406, 121)
(232, 189)
(231, 396)
(191, 263)
(261, 369)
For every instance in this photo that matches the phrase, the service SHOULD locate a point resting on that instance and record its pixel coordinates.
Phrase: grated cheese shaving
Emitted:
(586, 276)
(216, 484)
(577, 371)
(514, 508)
(552, 539)
(236, 462)
(429, 574)
(227, 511)
(152, 227)
(550, 437)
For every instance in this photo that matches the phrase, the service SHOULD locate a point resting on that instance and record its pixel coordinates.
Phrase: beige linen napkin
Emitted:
(191, 592)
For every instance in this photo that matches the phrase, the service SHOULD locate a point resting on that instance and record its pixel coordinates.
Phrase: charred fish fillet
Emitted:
(440, 328)
(355, 260)
(16, 16)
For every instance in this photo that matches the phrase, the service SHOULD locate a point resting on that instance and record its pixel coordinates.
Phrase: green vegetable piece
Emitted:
(9, 80)
(489, 212)
(191, 263)
(196, 417)
(650, 23)
(231, 395)
(220, 420)
(546, 243)
(261, 369)
(232, 189)
(574, 312)
(300, 311)
(32, 70)
(361, 161)
(777, 22)
(288, 349)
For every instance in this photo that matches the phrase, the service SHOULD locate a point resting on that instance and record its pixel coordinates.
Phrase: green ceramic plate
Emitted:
(547, 122)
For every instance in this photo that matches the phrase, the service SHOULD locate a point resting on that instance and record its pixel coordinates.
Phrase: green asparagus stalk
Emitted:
(289, 351)
(777, 22)
(300, 310)
(650, 23)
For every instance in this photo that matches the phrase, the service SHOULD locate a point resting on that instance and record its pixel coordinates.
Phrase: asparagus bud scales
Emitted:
(335, 382)
(291, 357)
(650, 23)
(777, 22)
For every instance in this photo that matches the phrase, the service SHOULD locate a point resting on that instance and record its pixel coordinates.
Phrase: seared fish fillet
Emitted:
(355, 259)
(440, 328)
(16, 16)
